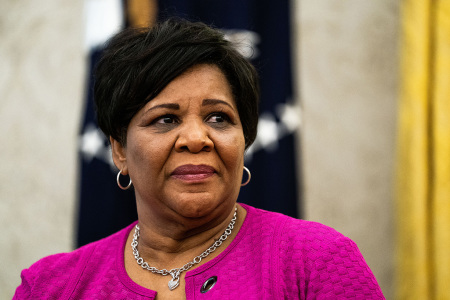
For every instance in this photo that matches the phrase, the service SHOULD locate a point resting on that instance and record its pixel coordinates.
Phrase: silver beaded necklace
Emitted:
(175, 273)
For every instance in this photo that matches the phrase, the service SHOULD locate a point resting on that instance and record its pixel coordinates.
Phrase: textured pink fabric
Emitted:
(272, 257)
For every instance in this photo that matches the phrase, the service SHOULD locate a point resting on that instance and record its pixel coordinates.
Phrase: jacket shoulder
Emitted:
(58, 274)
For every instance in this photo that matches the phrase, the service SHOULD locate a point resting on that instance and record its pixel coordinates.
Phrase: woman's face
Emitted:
(185, 148)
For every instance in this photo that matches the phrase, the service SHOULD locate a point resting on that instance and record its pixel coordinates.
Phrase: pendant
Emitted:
(174, 282)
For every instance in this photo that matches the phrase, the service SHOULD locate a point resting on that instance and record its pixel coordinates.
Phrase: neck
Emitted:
(171, 246)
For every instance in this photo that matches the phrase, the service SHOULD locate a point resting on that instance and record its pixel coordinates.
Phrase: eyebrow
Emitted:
(174, 106)
(207, 102)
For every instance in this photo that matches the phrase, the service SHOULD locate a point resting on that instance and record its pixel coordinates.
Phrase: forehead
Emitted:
(200, 82)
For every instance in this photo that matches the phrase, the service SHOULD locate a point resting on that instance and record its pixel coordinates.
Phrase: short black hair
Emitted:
(138, 63)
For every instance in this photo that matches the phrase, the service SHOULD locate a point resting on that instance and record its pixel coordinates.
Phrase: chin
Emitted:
(197, 207)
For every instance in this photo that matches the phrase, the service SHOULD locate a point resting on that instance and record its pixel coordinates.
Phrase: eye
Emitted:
(166, 119)
(217, 118)
(164, 123)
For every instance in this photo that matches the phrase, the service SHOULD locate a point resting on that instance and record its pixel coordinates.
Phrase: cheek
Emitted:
(231, 149)
(146, 154)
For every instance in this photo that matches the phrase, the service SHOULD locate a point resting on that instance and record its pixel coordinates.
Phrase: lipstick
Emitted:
(193, 172)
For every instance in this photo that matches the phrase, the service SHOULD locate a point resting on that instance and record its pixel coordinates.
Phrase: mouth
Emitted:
(193, 172)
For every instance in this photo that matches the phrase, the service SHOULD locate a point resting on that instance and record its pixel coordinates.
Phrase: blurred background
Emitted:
(364, 115)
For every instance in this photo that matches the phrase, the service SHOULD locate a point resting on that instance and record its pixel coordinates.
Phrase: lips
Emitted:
(193, 172)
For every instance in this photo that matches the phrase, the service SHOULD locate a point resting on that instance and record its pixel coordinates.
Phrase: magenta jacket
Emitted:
(272, 257)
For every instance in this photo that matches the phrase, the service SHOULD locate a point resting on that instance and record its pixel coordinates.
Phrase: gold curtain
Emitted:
(423, 170)
(142, 13)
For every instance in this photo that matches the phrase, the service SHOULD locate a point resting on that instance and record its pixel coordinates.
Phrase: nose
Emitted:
(194, 137)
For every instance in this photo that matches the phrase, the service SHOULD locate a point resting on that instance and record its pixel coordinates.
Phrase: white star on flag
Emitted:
(92, 144)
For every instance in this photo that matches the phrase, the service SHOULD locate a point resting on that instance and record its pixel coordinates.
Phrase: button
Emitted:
(208, 285)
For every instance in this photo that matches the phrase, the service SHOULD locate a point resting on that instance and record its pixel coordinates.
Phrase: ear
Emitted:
(119, 155)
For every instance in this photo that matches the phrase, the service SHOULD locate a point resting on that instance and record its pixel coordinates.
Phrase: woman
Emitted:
(179, 104)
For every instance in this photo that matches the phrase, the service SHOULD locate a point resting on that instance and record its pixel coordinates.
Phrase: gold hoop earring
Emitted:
(249, 176)
(118, 182)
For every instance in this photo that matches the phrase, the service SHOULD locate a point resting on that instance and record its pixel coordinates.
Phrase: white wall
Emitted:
(347, 86)
(347, 77)
(41, 87)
